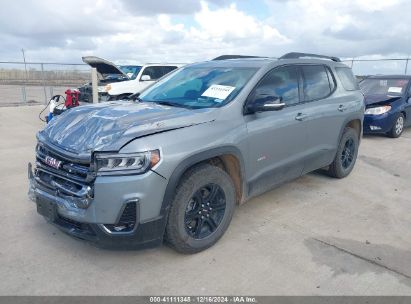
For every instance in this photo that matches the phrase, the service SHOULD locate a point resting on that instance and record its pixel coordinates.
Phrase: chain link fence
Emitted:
(36, 82)
(389, 66)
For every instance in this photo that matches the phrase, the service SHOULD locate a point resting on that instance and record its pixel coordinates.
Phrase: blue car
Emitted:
(388, 104)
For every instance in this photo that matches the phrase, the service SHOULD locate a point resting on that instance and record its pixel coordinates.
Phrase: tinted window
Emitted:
(331, 79)
(316, 84)
(347, 78)
(282, 83)
(154, 72)
(168, 69)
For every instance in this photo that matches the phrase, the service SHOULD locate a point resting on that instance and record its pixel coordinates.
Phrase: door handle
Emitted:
(342, 108)
(301, 116)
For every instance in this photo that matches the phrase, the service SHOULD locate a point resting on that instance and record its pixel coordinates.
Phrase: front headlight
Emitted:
(377, 110)
(107, 87)
(136, 163)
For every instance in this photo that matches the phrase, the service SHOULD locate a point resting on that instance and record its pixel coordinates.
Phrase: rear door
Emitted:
(326, 113)
(277, 140)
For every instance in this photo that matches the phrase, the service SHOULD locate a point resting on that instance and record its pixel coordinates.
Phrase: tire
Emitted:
(191, 219)
(346, 155)
(398, 126)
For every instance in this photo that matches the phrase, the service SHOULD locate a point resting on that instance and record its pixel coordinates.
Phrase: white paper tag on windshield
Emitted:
(218, 91)
(394, 89)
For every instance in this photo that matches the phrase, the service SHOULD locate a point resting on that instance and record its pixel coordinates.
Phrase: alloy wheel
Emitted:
(347, 155)
(399, 125)
(205, 211)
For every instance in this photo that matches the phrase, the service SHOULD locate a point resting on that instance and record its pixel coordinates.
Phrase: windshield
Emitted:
(199, 87)
(373, 86)
(130, 70)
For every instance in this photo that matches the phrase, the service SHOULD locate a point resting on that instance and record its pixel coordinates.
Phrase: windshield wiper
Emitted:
(171, 104)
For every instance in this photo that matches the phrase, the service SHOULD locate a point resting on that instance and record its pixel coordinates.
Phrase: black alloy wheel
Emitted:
(347, 155)
(204, 211)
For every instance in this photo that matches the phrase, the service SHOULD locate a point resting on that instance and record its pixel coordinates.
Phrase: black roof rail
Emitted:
(224, 57)
(295, 55)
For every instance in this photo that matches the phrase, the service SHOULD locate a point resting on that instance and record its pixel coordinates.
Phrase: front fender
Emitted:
(192, 160)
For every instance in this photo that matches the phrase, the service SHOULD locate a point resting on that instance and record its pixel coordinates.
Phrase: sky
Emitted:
(127, 31)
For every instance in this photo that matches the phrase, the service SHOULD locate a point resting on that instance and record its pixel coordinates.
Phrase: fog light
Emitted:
(375, 128)
(128, 219)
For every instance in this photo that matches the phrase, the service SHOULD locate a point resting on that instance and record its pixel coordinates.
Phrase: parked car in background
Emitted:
(172, 162)
(118, 82)
(147, 75)
(107, 72)
(388, 104)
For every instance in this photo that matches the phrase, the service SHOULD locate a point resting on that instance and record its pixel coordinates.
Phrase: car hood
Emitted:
(375, 99)
(103, 67)
(110, 126)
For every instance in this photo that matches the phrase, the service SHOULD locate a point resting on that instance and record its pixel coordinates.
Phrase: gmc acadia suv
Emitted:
(172, 162)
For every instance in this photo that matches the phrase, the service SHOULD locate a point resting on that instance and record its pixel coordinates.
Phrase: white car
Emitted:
(147, 75)
(117, 82)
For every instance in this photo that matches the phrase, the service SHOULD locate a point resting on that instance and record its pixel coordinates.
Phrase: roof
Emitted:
(248, 61)
(258, 62)
(251, 62)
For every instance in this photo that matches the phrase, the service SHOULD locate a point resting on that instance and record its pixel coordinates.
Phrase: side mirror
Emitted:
(264, 102)
(145, 78)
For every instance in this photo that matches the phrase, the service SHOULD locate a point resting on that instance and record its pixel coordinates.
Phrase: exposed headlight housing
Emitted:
(119, 164)
(377, 110)
(107, 87)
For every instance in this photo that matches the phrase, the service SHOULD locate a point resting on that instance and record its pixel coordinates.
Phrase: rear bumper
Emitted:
(378, 123)
(117, 202)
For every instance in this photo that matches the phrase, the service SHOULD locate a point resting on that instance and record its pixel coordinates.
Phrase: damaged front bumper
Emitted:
(378, 123)
(112, 212)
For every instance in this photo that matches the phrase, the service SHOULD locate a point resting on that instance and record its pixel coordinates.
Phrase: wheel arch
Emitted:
(355, 123)
(404, 113)
(228, 158)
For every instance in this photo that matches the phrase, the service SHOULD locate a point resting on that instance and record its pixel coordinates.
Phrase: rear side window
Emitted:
(347, 78)
(156, 72)
(168, 69)
(316, 82)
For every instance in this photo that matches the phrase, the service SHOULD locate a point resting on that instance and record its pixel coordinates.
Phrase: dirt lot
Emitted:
(313, 236)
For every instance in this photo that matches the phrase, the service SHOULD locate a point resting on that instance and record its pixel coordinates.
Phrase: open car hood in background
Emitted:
(104, 67)
(380, 99)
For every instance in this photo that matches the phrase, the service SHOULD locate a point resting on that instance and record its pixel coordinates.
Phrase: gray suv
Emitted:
(172, 162)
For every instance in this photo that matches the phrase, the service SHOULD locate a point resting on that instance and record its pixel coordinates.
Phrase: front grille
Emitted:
(62, 177)
(76, 171)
